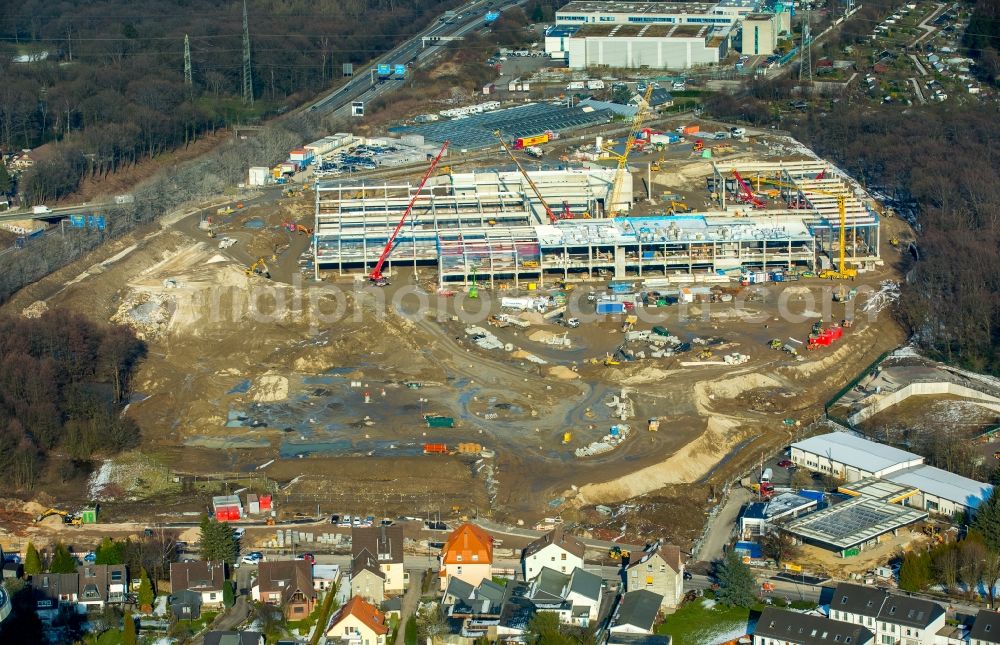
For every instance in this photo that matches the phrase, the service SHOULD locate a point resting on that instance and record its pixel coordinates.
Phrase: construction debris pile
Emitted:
(615, 437)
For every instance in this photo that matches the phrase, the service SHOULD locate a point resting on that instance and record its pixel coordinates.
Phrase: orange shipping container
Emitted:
(435, 449)
(691, 129)
(524, 142)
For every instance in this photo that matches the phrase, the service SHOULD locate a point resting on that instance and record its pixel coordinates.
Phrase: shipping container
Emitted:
(253, 504)
(608, 308)
(690, 129)
(434, 421)
(523, 142)
(435, 449)
(265, 502)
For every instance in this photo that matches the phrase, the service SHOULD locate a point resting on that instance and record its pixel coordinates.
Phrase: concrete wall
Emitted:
(886, 401)
(655, 53)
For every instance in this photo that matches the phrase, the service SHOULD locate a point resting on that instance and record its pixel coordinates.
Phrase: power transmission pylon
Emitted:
(247, 71)
(187, 63)
(805, 57)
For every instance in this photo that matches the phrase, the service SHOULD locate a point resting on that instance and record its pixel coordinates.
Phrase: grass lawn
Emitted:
(703, 622)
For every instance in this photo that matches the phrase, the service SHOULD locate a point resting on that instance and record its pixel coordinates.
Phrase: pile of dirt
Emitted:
(35, 309)
(270, 388)
(146, 313)
(563, 372)
(765, 399)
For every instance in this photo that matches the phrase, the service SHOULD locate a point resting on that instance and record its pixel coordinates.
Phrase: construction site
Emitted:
(522, 341)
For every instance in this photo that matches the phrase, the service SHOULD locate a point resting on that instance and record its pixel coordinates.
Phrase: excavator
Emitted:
(258, 268)
(618, 553)
(679, 207)
(50, 512)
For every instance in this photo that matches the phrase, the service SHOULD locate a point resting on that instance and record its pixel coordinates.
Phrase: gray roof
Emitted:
(627, 111)
(853, 522)
(943, 484)
(548, 585)
(233, 638)
(986, 627)
(885, 606)
(458, 589)
(869, 456)
(384, 542)
(585, 583)
(639, 639)
(639, 609)
(803, 629)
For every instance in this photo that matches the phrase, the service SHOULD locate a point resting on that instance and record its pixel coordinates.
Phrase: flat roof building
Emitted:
(942, 492)
(760, 34)
(602, 12)
(851, 457)
(655, 46)
(854, 524)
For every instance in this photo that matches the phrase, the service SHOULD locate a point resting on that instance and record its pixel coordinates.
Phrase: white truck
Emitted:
(40, 210)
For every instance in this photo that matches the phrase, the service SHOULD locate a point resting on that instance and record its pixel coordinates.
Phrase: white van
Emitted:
(765, 477)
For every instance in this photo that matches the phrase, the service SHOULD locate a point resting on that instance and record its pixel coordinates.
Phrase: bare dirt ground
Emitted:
(250, 376)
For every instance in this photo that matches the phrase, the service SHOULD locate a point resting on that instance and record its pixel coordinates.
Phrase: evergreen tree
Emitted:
(32, 560)
(6, 183)
(129, 636)
(62, 560)
(109, 552)
(228, 598)
(218, 542)
(915, 572)
(146, 595)
(987, 522)
(736, 582)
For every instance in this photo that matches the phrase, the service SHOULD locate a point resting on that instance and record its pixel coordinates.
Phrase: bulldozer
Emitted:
(618, 553)
(775, 343)
(258, 268)
(705, 355)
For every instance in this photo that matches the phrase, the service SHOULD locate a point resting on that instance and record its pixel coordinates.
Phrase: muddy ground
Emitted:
(321, 389)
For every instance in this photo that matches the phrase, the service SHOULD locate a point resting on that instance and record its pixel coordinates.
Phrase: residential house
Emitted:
(204, 578)
(326, 577)
(555, 550)
(53, 590)
(891, 617)
(359, 623)
(472, 612)
(637, 613)
(288, 584)
(234, 638)
(985, 629)
(468, 555)
(367, 579)
(386, 544)
(779, 627)
(515, 616)
(659, 98)
(101, 584)
(575, 597)
(658, 568)
(185, 604)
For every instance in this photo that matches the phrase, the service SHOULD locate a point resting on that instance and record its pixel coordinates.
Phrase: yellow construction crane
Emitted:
(843, 272)
(613, 206)
(553, 218)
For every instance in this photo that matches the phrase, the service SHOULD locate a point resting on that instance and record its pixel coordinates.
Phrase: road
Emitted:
(410, 600)
(360, 87)
(54, 213)
(721, 526)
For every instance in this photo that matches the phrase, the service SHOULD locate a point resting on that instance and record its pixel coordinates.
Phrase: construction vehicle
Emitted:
(618, 553)
(613, 206)
(843, 294)
(566, 438)
(376, 276)
(654, 424)
(611, 360)
(705, 354)
(679, 207)
(258, 268)
(776, 343)
(698, 146)
(553, 218)
(657, 165)
(563, 285)
(894, 241)
(629, 323)
(50, 512)
(744, 194)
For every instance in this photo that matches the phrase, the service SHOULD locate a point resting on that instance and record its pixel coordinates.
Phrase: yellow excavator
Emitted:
(618, 553)
(259, 268)
(50, 512)
(679, 207)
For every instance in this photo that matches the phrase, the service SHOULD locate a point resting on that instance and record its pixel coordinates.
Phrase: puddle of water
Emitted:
(241, 388)
(318, 380)
(254, 224)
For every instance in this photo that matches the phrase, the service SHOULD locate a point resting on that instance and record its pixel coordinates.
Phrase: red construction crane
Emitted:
(376, 274)
(746, 195)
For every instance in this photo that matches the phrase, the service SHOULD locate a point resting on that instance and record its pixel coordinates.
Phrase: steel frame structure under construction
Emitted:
(817, 186)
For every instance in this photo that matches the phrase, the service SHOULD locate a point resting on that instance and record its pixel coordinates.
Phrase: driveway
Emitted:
(410, 600)
(232, 619)
(721, 527)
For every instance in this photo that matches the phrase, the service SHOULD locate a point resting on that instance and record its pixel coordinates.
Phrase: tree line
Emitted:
(63, 384)
(111, 88)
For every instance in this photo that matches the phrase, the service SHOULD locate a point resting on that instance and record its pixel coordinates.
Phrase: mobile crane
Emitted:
(613, 206)
(553, 218)
(843, 272)
(376, 276)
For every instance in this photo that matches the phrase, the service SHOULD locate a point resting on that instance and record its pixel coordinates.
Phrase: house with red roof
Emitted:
(467, 555)
(358, 622)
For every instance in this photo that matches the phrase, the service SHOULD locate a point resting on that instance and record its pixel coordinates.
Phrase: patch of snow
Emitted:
(100, 479)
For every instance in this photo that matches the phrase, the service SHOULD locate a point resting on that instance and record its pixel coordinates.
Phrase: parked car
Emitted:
(238, 533)
(785, 463)
(253, 558)
(308, 557)
(345, 522)
(737, 132)
(721, 135)
(356, 521)
(335, 520)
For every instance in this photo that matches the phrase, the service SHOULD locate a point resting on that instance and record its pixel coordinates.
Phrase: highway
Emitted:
(360, 87)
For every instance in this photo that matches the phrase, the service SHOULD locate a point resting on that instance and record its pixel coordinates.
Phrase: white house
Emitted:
(555, 550)
(780, 627)
(575, 597)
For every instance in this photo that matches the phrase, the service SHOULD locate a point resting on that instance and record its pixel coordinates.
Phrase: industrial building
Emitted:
(677, 46)
(604, 12)
(760, 34)
(886, 474)
(851, 526)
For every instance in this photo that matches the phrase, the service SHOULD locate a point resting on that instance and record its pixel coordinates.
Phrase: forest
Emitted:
(104, 81)
(63, 384)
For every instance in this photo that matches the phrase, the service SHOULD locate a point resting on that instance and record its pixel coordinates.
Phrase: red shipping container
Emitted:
(265, 502)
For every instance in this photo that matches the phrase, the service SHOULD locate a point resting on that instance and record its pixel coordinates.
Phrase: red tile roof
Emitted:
(468, 544)
(363, 611)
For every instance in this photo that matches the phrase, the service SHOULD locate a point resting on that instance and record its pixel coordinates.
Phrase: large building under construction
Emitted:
(493, 225)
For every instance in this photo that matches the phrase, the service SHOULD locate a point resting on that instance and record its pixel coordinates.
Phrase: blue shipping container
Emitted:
(751, 549)
(611, 308)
